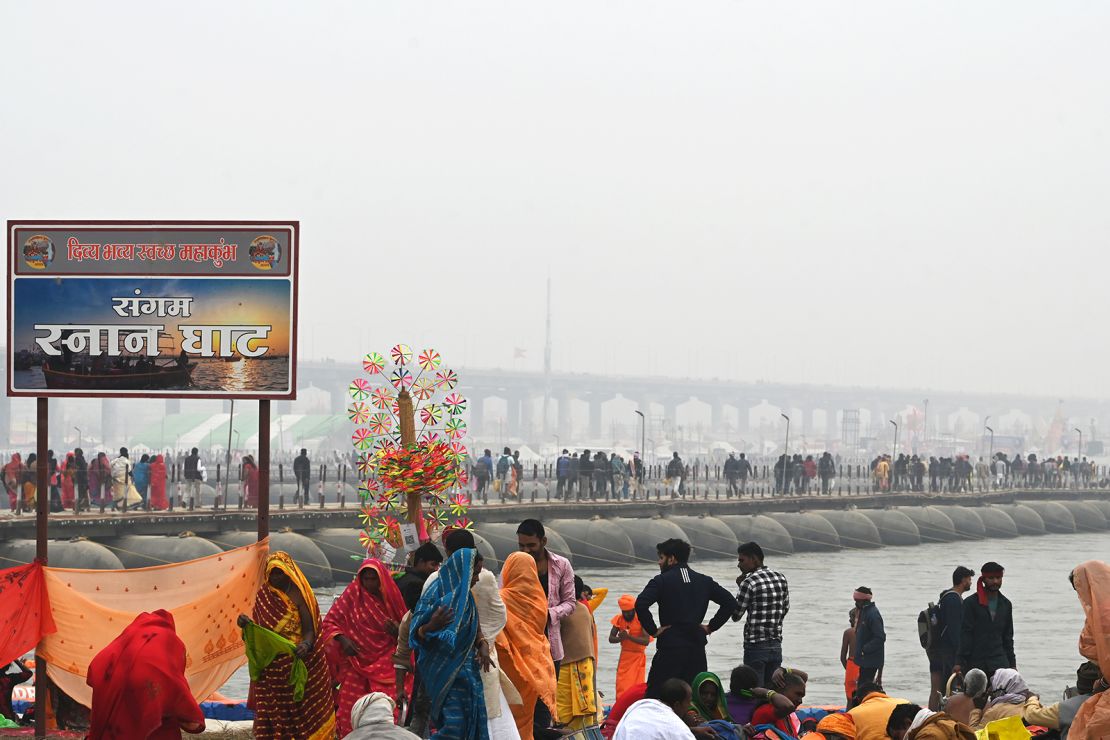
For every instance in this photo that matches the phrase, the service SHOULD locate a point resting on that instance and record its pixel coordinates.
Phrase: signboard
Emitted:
(181, 309)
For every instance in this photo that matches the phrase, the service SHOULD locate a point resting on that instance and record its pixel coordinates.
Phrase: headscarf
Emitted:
(720, 711)
(362, 617)
(919, 719)
(14, 469)
(372, 709)
(281, 561)
(138, 681)
(1007, 687)
(1092, 586)
(989, 569)
(447, 654)
(522, 646)
(838, 722)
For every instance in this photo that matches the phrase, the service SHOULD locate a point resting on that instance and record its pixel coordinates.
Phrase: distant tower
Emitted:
(547, 364)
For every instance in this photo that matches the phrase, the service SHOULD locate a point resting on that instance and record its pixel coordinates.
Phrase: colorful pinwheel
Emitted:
(429, 360)
(359, 389)
(358, 412)
(373, 363)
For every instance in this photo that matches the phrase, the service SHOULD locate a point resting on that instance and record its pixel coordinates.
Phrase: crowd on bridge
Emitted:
(122, 481)
(443, 648)
(959, 474)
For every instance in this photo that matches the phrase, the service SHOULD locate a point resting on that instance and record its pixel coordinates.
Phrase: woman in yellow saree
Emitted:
(287, 606)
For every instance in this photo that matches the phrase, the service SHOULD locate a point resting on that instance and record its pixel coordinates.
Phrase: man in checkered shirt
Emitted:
(765, 597)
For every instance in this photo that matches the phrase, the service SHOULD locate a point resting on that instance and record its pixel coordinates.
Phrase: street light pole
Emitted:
(925, 428)
(643, 431)
(894, 453)
(79, 437)
(785, 454)
(1080, 442)
(985, 420)
(991, 455)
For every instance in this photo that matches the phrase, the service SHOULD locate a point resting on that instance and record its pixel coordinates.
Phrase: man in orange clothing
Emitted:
(871, 711)
(627, 631)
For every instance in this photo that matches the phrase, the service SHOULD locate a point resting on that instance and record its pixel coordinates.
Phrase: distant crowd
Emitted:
(123, 481)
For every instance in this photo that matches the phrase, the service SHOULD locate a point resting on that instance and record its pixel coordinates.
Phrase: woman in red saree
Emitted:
(249, 485)
(286, 605)
(139, 686)
(68, 474)
(360, 637)
(158, 500)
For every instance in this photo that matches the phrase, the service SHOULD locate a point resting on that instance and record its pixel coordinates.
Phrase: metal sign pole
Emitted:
(263, 469)
(42, 508)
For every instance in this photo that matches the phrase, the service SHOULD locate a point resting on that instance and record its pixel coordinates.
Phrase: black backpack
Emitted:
(929, 627)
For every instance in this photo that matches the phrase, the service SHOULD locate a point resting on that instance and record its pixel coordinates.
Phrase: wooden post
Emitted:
(407, 420)
(263, 469)
(42, 509)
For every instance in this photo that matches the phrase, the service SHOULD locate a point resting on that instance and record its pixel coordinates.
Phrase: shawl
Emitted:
(138, 683)
(361, 618)
(271, 696)
(720, 711)
(281, 561)
(13, 471)
(1092, 586)
(522, 646)
(1007, 687)
(650, 719)
(263, 646)
(447, 655)
(158, 483)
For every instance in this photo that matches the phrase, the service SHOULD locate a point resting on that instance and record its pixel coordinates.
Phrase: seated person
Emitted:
(870, 711)
(1006, 695)
(708, 700)
(620, 706)
(662, 718)
(781, 717)
(741, 700)
(835, 726)
(14, 674)
(909, 721)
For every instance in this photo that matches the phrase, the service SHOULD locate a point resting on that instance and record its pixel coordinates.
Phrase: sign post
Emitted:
(148, 309)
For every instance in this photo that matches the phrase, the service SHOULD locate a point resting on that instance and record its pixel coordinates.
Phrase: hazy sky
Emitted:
(873, 193)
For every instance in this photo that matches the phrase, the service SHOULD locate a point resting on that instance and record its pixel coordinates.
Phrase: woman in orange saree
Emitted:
(360, 637)
(287, 606)
(522, 645)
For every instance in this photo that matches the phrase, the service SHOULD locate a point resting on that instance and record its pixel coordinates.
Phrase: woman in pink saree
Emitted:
(360, 637)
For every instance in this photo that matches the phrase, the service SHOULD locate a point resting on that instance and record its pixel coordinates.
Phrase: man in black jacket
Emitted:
(870, 652)
(302, 471)
(987, 635)
(683, 597)
(950, 620)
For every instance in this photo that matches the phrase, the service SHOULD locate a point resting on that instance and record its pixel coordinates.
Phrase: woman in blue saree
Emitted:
(444, 631)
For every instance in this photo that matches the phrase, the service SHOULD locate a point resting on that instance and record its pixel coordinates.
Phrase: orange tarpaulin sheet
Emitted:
(92, 607)
(24, 611)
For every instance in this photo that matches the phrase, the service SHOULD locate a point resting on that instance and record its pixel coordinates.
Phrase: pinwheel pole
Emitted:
(406, 419)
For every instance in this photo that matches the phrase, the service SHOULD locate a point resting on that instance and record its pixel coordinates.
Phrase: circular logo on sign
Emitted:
(265, 252)
(38, 252)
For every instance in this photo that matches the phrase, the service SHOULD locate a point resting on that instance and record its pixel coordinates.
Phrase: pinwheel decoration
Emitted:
(410, 435)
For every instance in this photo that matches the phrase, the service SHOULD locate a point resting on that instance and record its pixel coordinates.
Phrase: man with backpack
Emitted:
(939, 626)
(504, 474)
(562, 472)
(675, 472)
(826, 471)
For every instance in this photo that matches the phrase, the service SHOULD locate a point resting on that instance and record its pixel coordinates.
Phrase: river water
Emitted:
(1047, 614)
